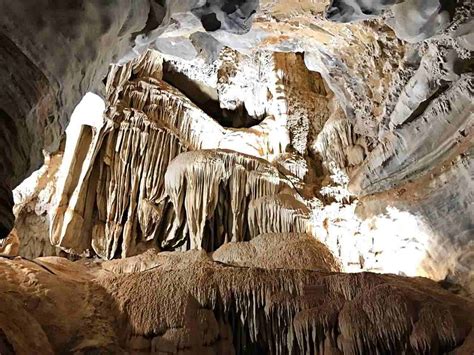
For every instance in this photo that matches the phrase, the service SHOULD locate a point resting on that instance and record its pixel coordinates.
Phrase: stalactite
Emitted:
(148, 124)
(281, 213)
(133, 183)
(203, 185)
(288, 311)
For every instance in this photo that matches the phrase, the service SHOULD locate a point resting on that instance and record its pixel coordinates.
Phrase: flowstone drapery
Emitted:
(186, 302)
(133, 185)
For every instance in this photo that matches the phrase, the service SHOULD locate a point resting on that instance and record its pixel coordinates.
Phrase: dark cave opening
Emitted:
(210, 22)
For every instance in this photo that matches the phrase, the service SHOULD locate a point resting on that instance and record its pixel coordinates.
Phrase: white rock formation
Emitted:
(360, 125)
(169, 124)
(213, 191)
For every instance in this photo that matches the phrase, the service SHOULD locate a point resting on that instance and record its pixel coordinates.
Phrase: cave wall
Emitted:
(52, 54)
(61, 51)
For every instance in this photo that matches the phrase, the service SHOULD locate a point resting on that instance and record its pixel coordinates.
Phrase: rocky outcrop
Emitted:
(179, 302)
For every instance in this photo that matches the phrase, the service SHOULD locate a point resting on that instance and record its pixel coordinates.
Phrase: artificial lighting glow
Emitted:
(393, 242)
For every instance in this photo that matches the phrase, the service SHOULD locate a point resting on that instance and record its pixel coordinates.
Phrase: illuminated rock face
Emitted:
(208, 197)
(50, 61)
(135, 186)
(61, 52)
(235, 172)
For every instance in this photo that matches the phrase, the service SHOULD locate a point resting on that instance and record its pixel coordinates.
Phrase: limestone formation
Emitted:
(50, 61)
(250, 177)
(10, 245)
(326, 125)
(278, 213)
(120, 185)
(178, 302)
(33, 207)
(278, 251)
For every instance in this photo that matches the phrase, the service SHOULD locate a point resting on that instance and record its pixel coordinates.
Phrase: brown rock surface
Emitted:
(181, 302)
